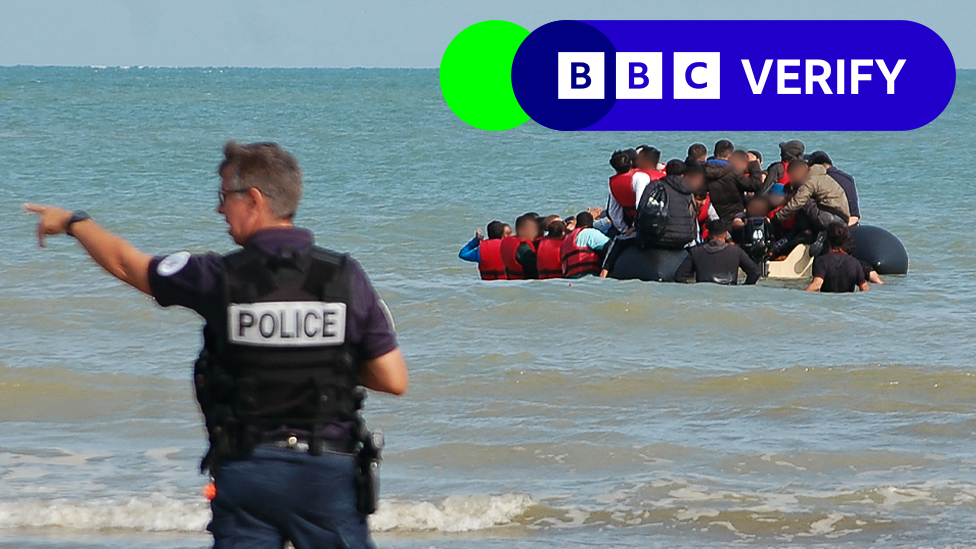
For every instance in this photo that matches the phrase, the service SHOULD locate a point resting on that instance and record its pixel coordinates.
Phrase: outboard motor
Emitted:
(757, 237)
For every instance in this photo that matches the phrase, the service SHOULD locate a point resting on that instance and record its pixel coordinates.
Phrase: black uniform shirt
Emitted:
(195, 282)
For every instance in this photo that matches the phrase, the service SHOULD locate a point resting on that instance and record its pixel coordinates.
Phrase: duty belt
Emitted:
(324, 446)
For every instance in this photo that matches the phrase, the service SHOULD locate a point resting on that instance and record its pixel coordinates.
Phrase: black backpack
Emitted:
(652, 212)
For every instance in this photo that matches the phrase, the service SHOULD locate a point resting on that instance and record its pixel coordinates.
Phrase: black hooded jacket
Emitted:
(718, 262)
(682, 228)
(725, 187)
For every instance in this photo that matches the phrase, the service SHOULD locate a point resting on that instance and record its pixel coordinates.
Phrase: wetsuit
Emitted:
(718, 262)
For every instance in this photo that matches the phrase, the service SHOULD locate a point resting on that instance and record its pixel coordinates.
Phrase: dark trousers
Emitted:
(820, 217)
(280, 494)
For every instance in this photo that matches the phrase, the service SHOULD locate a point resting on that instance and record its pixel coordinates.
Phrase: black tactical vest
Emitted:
(281, 359)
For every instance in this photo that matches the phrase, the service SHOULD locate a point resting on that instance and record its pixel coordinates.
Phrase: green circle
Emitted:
(476, 75)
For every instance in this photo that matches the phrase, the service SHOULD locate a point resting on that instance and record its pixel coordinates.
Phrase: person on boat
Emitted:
(818, 199)
(845, 180)
(487, 252)
(698, 153)
(548, 248)
(544, 224)
(704, 212)
(682, 228)
(727, 185)
(739, 160)
(717, 261)
(648, 162)
(570, 223)
(625, 187)
(756, 206)
(679, 185)
(776, 195)
(788, 152)
(702, 209)
(754, 156)
(518, 251)
(837, 271)
(581, 250)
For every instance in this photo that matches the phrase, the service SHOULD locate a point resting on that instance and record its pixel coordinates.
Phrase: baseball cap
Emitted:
(778, 189)
(793, 148)
(819, 157)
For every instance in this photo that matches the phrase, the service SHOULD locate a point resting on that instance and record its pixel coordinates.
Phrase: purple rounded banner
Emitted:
(735, 75)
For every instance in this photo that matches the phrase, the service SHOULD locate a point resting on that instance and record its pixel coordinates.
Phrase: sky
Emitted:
(375, 33)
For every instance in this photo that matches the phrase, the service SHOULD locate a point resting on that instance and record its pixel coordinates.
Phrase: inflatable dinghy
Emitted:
(648, 264)
(880, 249)
(876, 246)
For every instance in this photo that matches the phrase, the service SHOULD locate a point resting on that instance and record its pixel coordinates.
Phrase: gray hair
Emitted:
(268, 168)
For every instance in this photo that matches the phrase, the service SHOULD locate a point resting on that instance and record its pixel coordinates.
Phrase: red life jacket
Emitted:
(787, 224)
(622, 190)
(509, 247)
(703, 216)
(785, 180)
(491, 265)
(548, 259)
(577, 260)
(654, 174)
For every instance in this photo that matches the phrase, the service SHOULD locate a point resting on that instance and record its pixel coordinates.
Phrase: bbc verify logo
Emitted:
(630, 76)
(640, 75)
(697, 75)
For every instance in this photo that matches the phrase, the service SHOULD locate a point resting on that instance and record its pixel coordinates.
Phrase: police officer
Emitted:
(292, 333)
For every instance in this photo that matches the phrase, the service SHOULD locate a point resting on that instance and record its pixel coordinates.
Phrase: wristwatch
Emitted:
(76, 216)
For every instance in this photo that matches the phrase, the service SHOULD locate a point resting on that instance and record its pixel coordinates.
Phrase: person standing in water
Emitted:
(293, 333)
(717, 261)
(837, 271)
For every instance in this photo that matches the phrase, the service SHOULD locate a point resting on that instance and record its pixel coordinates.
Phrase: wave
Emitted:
(162, 514)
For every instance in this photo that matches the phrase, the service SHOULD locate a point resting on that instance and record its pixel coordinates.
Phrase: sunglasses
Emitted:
(222, 195)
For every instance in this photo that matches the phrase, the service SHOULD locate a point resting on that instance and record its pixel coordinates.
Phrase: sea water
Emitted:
(595, 413)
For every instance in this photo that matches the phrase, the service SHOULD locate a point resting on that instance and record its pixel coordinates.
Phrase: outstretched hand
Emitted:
(53, 220)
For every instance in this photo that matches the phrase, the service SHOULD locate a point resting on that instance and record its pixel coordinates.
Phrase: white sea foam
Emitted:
(161, 514)
(454, 514)
(144, 514)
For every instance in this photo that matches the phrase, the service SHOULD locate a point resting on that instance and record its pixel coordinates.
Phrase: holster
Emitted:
(368, 470)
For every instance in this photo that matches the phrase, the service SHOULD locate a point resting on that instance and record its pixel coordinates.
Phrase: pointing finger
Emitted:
(36, 208)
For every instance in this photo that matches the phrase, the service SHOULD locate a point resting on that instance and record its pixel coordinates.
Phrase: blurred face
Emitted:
(777, 200)
(696, 181)
(644, 163)
(739, 163)
(507, 231)
(527, 231)
(798, 173)
(757, 208)
(571, 225)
